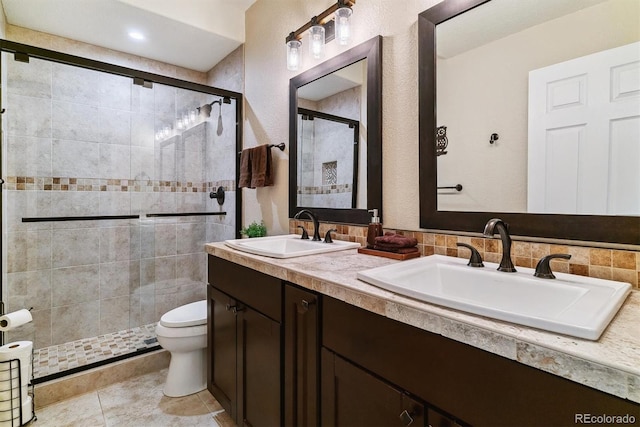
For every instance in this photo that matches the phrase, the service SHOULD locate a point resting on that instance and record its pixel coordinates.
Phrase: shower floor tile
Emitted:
(59, 358)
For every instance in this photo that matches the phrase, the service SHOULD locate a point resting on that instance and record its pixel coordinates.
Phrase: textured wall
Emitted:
(267, 105)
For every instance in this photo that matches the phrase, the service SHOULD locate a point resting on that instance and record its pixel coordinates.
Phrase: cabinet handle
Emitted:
(405, 418)
(234, 308)
(305, 304)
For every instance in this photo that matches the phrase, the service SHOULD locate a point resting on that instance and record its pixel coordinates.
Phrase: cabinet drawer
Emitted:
(257, 290)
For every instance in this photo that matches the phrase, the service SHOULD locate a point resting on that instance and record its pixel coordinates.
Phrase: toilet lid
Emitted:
(187, 315)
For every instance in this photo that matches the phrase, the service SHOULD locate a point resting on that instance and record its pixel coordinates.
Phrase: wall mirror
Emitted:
(335, 136)
(541, 127)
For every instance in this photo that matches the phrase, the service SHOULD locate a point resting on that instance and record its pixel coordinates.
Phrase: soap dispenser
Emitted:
(375, 229)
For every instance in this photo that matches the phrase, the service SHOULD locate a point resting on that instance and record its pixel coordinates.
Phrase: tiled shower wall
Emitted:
(80, 142)
(326, 147)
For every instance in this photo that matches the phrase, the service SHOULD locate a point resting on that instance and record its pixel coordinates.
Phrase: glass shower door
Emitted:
(106, 206)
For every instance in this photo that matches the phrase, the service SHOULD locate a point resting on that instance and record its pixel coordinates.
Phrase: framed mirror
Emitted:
(507, 90)
(335, 136)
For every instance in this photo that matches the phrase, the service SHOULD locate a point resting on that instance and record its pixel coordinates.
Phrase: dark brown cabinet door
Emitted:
(222, 351)
(301, 358)
(438, 419)
(353, 397)
(259, 339)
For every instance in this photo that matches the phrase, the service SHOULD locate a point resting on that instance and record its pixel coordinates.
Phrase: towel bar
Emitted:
(456, 187)
(279, 146)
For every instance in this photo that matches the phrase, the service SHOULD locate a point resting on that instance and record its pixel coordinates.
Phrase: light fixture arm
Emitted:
(319, 19)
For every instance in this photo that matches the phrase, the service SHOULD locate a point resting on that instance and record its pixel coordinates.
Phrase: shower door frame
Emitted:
(24, 51)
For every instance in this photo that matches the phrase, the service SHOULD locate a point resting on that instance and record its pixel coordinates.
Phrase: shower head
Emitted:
(205, 110)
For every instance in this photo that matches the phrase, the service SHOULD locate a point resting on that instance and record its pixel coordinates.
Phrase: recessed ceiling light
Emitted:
(136, 35)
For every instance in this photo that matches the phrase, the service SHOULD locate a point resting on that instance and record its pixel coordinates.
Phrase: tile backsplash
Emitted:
(611, 264)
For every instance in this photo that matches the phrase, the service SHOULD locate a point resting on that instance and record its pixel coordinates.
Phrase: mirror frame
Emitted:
(593, 228)
(370, 50)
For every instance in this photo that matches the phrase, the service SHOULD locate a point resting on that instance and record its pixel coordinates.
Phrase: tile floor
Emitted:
(135, 402)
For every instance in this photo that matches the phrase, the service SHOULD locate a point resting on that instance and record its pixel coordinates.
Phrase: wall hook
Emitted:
(494, 137)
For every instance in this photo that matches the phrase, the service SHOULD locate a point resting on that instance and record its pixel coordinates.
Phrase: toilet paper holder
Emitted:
(22, 412)
(2, 308)
(10, 321)
(17, 389)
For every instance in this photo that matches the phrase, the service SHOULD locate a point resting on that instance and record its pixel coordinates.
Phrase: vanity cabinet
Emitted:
(474, 386)
(245, 338)
(301, 357)
(280, 354)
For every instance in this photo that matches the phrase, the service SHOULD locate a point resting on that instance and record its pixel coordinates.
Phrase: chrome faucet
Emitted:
(502, 228)
(316, 223)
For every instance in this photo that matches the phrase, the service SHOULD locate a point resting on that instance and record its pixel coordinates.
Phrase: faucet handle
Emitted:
(543, 268)
(305, 235)
(327, 236)
(476, 258)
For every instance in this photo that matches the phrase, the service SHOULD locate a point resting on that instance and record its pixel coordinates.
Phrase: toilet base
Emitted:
(187, 373)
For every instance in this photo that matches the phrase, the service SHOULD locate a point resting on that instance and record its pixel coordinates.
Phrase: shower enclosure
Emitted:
(328, 148)
(108, 199)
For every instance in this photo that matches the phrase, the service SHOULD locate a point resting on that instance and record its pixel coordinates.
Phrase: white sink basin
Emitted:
(287, 246)
(570, 304)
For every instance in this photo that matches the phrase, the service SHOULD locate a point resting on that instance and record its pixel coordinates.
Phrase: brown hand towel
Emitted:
(245, 168)
(397, 250)
(261, 170)
(395, 241)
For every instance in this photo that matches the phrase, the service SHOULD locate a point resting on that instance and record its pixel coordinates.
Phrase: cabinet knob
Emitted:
(405, 418)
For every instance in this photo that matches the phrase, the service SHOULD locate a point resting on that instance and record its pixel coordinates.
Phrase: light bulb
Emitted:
(343, 27)
(293, 54)
(316, 35)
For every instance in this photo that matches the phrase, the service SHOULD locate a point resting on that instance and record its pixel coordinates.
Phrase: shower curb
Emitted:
(90, 380)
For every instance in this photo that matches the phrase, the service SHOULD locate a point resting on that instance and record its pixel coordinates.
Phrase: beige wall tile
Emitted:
(624, 259)
(601, 257)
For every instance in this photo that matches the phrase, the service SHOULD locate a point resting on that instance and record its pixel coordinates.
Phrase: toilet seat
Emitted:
(193, 314)
(185, 332)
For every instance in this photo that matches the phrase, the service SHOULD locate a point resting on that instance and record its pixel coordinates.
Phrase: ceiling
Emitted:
(195, 34)
(470, 29)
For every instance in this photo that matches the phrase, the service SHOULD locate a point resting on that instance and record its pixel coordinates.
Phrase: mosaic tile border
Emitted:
(610, 264)
(31, 183)
(59, 358)
(325, 189)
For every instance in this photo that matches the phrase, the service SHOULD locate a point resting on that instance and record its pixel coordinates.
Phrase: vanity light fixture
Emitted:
(343, 23)
(293, 52)
(316, 38)
(332, 23)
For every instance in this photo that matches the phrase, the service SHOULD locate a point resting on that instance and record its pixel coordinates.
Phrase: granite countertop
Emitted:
(611, 364)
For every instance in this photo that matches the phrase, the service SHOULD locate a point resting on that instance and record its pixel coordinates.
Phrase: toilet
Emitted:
(183, 333)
